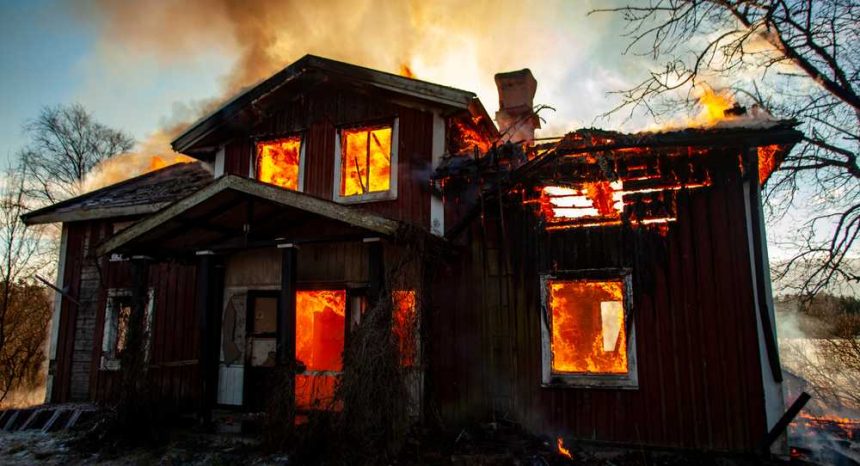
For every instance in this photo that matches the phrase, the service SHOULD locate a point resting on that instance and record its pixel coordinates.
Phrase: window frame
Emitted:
(108, 360)
(255, 169)
(584, 380)
(389, 195)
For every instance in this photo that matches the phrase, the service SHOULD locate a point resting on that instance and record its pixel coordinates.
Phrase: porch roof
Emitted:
(236, 212)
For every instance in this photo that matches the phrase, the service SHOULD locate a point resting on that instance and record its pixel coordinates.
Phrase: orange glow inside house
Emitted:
(405, 326)
(588, 333)
(278, 162)
(766, 162)
(365, 161)
(593, 200)
(320, 320)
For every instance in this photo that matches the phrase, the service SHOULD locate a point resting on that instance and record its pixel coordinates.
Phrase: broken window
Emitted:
(365, 160)
(115, 336)
(320, 330)
(279, 162)
(587, 329)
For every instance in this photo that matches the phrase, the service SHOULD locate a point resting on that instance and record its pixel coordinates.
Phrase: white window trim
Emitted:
(389, 195)
(254, 174)
(113, 363)
(623, 381)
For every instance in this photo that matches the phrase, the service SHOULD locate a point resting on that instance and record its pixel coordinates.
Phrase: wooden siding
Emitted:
(699, 372)
(174, 335)
(318, 116)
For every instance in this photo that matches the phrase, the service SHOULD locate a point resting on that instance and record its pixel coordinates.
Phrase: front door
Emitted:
(262, 340)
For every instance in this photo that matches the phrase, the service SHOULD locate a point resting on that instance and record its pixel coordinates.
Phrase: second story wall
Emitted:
(318, 118)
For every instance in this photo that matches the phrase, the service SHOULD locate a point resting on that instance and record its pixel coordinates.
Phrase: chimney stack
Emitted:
(516, 117)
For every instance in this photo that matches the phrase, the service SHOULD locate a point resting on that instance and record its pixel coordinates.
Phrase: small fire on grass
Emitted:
(561, 450)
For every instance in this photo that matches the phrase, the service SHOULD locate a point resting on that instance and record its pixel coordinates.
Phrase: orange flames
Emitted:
(561, 450)
(714, 106)
(278, 162)
(125, 166)
(588, 332)
(406, 71)
(365, 160)
(766, 162)
(404, 322)
(599, 199)
(320, 320)
(468, 137)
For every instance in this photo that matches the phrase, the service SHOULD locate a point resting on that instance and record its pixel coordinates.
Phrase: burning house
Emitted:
(600, 286)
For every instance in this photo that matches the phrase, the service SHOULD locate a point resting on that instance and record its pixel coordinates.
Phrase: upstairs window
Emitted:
(279, 162)
(366, 163)
(587, 331)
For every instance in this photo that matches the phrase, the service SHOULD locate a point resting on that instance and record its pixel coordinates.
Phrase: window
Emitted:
(587, 330)
(115, 336)
(366, 163)
(320, 331)
(279, 162)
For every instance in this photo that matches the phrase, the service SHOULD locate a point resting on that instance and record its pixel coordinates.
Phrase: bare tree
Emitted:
(796, 58)
(65, 144)
(24, 305)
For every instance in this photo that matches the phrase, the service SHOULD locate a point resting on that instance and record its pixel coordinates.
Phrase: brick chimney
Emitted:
(516, 117)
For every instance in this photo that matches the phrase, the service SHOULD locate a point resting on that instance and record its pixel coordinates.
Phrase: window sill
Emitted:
(621, 381)
(366, 198)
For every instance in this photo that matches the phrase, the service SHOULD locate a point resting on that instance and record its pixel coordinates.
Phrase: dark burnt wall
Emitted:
(173, 365)
(698, 360)
(318, 115)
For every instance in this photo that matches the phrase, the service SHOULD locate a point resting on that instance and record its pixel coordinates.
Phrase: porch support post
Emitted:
(286, 345)
(209, 318)
(375, 272)
(287, 306)
(134, 360)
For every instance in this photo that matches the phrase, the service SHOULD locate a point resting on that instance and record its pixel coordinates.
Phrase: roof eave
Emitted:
(324, 208)
(435, 93)
(91, 214)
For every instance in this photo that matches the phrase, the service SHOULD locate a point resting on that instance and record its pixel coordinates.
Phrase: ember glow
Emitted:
(278, 162)
(404, 323)
(365, 160)
(320, 320)
(561, 450)
(588, 332)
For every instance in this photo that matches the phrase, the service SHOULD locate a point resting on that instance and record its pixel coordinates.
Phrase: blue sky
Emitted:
(50, 55)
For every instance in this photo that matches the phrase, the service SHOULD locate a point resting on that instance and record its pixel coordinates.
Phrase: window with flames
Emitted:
(321, 317)
(587, 332)
(366, 165)
(279, 162)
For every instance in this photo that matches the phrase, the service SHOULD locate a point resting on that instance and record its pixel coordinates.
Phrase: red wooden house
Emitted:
(605, 286)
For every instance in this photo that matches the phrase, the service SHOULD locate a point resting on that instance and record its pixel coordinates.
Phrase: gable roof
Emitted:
(140, 195)
(233, 205)
(438, 94)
